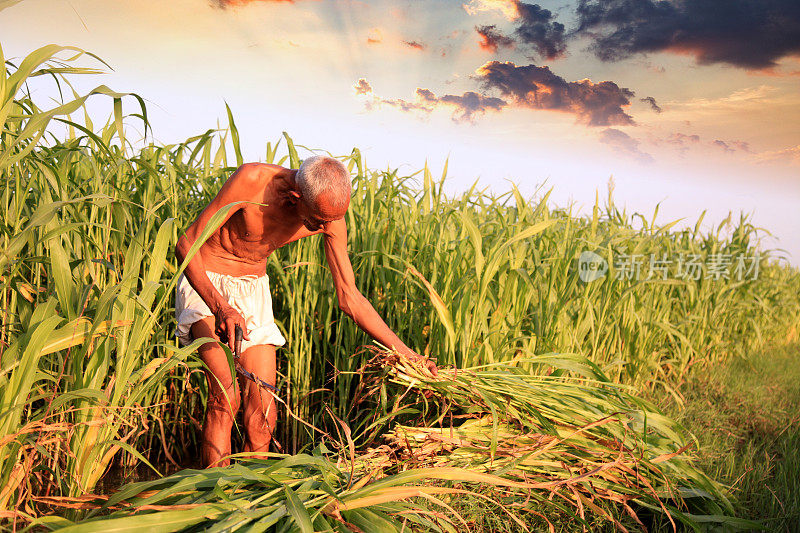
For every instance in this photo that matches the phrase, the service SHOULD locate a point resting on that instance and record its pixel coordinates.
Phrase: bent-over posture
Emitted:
(225, 285)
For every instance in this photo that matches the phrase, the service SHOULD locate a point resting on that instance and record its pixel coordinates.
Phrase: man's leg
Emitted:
(223, 398)
(260, 408)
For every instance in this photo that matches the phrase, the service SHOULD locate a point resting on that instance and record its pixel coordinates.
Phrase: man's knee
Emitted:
(224, 401)
(259, 408)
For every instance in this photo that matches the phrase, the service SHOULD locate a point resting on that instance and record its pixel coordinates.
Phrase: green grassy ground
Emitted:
(746, 416)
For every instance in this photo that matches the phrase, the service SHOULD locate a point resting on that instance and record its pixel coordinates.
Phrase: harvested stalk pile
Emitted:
(555, 424)
(538, 437)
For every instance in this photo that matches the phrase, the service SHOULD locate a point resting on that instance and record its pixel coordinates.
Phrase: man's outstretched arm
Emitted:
(351, 301)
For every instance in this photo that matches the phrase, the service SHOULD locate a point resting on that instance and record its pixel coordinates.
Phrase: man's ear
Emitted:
(293, 195)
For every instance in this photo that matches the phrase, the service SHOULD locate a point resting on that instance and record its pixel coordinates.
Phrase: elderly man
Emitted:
(225, 285)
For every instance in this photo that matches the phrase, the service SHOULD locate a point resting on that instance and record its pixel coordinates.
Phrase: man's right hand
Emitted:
(427, 363)
(226, 320)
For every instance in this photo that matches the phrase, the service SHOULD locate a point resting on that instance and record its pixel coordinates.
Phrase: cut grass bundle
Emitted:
(576, 441)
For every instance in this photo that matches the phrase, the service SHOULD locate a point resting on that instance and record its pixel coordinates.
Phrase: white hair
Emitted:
(320, 175)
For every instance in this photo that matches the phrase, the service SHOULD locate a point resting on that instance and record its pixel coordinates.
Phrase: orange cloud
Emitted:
(683, 142)
(536, 28)
(362, 86)
(593, 104)
(465, 106)
(775, 72)
(225, 4)
(375, 36)
(509, 8)
(415, 45)
(789, 155)
(491, 39)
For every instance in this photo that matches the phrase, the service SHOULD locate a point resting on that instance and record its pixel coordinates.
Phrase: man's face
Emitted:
(312, 223)
(314, 217)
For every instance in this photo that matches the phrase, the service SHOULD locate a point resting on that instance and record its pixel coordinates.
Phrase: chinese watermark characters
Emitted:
(684, 266)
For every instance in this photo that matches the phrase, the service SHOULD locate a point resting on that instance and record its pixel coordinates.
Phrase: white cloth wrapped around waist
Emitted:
(247, 294)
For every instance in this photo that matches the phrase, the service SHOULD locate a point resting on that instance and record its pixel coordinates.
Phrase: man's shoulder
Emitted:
(259, 172)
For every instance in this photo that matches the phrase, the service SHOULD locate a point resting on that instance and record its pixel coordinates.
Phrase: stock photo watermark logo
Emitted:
(592, 267)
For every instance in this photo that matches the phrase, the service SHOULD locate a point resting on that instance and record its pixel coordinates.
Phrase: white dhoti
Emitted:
(247, 294)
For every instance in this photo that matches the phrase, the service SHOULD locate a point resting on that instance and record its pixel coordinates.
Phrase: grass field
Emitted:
(746, 416)
(539, 416)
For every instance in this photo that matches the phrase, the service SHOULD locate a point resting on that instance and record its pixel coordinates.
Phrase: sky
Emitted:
(689, 105)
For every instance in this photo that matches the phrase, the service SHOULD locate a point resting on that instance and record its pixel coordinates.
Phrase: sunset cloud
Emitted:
(537, 28)
(594, 104)
(362, 86)
(682, 141)
(722, 144)
(742, 146)
(415, 45)
(731, 146)
(375, 36)
(466, 105)
(506, 7)
(403, 105)
(652, 102)
(789, 155)
(624, 144)
(224, 4)
(750, 34)
(491, 39)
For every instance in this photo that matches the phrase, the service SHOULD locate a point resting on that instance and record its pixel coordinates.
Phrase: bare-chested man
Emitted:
(225, 285)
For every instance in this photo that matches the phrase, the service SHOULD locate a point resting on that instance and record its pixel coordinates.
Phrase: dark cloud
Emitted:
(536, 27)
(415, 45)
(653, 105)
(492, 39)
(403, 105)
(362, 86)
(682, 139)
(466, 105)
(722, 144)
(732, 146)
(751, 34)
(624, 144)
(683, 142)
(594, 104)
